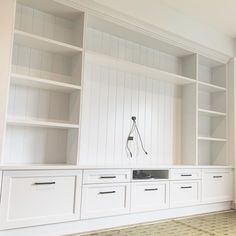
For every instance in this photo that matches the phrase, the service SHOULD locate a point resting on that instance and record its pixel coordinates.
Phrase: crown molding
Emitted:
(93, 8)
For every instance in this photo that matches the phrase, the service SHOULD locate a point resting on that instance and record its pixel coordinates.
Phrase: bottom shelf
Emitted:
(33, 145)
(212, 152)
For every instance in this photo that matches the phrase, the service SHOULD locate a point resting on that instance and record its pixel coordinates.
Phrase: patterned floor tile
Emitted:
(223, 224)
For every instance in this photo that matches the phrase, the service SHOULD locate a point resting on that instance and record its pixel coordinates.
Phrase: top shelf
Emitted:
(34, 41)
(132, 67)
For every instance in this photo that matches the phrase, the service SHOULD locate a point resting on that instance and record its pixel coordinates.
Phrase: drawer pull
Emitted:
(108, 192)
(107, 177)
(186, 175)
(44, 183)
(150, 189)
(218, 176)
(186, 187)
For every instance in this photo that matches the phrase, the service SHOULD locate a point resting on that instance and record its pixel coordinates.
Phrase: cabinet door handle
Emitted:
(150, 189)
(186, 175)
(107, 177)
(108, 192)
(44, 183)
(186, 187)
(217, 176)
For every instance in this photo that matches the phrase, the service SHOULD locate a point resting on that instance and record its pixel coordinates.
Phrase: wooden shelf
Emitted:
(210, 87)
(40, 123)
(35, 41)
(42, 83)
(211, 113)
(125, 65)
(212, 139)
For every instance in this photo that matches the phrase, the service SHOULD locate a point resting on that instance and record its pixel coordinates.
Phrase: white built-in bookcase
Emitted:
(179, 97)
(45, 84)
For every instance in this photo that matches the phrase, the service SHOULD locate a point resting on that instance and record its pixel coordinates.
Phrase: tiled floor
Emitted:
(214, 224)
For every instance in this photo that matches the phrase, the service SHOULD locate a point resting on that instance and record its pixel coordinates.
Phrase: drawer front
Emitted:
(105, 200)
(149, 196)
(39, 197)
(185, 193)
(217, 185)
(185, 174)
(106, 176)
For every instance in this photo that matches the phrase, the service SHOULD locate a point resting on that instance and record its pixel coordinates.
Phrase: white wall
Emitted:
(7, 9)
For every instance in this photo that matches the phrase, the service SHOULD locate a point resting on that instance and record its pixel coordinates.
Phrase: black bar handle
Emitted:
(217, 176)
(185, 175)
(44, 183)
(186, 187)
(108, 192)
(107, 177)
(150, 189)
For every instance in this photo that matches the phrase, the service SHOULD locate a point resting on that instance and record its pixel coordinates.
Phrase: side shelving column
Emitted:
(44, 97)
(212, 112)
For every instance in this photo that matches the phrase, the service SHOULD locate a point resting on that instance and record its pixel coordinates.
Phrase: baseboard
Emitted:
(116, 221)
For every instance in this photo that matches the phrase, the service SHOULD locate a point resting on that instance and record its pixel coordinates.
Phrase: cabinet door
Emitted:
(39, 197)
(185, 193)
(217, 185)
(149, 196)
(100, 200)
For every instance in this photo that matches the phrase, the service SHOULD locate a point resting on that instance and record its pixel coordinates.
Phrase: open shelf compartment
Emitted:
(40, 145)
(50, 20)
(212, 72)
(211, 152)
(132, 46)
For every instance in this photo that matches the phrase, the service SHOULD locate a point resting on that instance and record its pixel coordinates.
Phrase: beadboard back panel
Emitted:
(66, 29)
(110, 99)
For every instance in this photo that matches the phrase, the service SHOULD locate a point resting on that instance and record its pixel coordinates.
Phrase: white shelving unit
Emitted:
(212, 113)
(45, 90)
(179, 97)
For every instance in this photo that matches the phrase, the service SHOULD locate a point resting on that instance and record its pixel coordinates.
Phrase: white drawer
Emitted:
(106, 176)
(217, 185)
(100, 200)
(185, 193)
(39, 197)
(149, 196)
(185, 174)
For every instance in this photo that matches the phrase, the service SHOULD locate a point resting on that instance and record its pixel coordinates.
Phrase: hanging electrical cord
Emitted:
(131, 138)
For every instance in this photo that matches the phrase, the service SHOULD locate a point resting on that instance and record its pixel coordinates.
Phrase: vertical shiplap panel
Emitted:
(142, 115)
(155, 128)
(94, 113)
(103, 116)
(127, 112)
(119, 144)
(86, 115)
(148, 120)
(111, 121)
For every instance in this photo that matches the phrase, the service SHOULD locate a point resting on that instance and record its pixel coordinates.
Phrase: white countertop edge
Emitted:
(83, 167)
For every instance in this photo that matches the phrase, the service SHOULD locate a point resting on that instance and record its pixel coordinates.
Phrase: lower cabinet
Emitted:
(99, 200)
(149, 196)
(185, 193)
(217, 185)
(39, 197)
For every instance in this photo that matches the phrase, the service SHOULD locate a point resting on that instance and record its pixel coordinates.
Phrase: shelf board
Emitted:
(125, 65)
(40, 123)
(211, 113)
(210, 87)
(203, 138)
(35, 41)
(26, 80)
